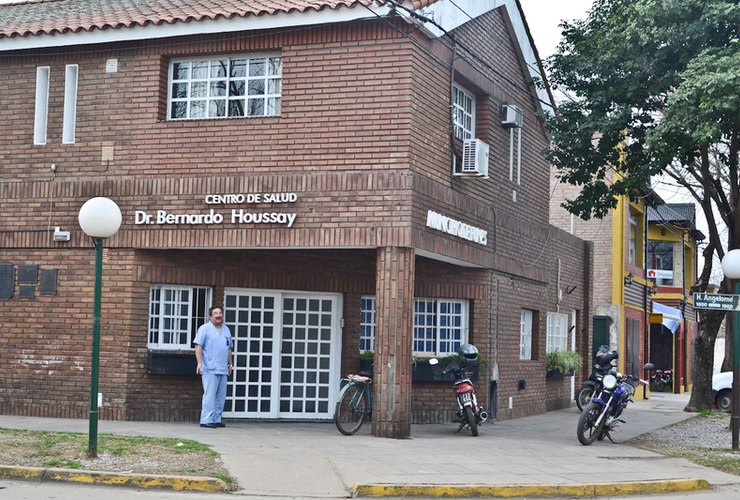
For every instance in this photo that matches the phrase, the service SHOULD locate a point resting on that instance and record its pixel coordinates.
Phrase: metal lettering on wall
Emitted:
(233, 216)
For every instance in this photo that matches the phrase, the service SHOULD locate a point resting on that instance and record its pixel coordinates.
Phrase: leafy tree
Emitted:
(655, 88)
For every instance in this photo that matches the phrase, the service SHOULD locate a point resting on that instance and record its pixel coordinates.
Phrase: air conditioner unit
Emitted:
(474, 158)
(511, 116)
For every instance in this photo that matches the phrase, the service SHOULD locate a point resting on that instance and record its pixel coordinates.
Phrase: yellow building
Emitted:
(672, 266)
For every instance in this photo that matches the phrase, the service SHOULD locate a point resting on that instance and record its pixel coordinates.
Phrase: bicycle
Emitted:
(354, 404)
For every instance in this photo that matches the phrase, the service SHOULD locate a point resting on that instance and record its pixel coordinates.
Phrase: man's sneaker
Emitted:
(220, 424)
(210, 426)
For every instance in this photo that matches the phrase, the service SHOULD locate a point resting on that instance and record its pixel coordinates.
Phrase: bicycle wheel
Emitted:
(351, 409)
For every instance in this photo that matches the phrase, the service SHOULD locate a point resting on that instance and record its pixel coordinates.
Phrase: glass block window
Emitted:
(225, 87)
(175, 313)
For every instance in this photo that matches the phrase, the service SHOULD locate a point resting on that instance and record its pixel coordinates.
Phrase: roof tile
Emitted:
(36, 17)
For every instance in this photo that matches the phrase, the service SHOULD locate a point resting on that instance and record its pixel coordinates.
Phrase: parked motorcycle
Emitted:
(602, 365)
(469, 413)
(661, 379)
(601, 416)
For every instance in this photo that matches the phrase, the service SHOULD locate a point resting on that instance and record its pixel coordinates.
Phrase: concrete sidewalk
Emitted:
(537, 456)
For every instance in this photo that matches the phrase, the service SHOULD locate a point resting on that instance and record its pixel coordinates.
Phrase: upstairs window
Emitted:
(42, 105)
(70, 104)
(660, 262)
(225, 87)
(463, 105)
(175, 314)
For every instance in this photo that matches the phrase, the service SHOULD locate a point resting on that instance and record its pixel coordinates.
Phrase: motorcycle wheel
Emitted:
(659, 384)
(470, 415)
(587, 430)
(584, 396)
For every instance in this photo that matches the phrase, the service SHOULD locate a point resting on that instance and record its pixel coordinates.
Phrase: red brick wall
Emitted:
(363, 139)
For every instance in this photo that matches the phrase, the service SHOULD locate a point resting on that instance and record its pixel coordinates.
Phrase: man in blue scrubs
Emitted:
(213, 350)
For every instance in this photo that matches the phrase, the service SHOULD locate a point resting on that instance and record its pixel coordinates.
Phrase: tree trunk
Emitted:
(701, 395)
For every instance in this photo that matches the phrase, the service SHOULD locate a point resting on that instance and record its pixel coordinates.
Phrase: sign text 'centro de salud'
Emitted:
(716, 301)
(242, 216)
(235, 216)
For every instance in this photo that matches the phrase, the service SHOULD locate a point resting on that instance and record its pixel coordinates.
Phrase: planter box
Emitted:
(171, 363)
(366, 367)
(556, 374)
(423, 371)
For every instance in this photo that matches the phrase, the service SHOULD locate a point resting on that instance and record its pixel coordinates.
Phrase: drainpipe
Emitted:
(493, 345)
(452, 117)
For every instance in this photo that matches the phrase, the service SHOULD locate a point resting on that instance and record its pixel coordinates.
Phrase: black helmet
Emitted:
(468, 354)
(604, 356)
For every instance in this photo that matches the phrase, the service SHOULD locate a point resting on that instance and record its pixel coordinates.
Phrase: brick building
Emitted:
(343, 175)
(645, 262)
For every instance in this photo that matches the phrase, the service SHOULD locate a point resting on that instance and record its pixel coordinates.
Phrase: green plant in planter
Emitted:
(563, 361)
(450, 359)
(367, 355)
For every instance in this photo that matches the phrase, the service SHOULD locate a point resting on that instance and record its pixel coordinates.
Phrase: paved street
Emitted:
(313, 460)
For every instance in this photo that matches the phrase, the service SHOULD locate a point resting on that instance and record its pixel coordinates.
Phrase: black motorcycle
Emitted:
(661, 379)
(602, 365)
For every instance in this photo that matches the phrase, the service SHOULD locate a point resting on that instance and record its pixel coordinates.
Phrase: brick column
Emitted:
(394, 322)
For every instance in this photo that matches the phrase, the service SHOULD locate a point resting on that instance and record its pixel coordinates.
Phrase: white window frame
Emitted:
(174, 322)
(633, 235)
(439, 319)
(41, 113)
(557, 331)
(525, 334)
(70, 104)
(463, 111)
(447, 337)
(203, 85)
(367, 324)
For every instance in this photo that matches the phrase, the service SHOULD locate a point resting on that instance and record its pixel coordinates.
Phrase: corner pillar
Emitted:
(394, 309)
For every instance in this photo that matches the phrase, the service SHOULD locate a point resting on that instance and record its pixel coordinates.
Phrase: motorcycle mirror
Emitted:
(649, 366)
(433, 361)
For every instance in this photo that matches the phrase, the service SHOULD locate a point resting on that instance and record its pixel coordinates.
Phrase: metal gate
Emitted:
(287, 348)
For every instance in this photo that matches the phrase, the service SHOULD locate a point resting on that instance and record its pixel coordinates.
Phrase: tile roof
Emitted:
(678, 214)
(37, 17)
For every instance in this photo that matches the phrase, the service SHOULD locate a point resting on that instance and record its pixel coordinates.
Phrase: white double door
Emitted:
(287, 350)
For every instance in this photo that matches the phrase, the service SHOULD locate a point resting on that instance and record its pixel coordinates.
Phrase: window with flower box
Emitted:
(175, 314)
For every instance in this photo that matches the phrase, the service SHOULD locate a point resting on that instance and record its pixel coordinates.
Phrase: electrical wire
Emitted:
(469, 51)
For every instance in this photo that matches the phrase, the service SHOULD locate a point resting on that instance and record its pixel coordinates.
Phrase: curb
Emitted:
(175, 483)
(530, 490)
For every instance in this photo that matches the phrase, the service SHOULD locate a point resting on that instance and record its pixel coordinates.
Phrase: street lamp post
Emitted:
(731, 268)
(99, 218)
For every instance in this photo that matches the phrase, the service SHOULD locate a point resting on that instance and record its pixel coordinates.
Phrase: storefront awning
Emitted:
(672, 318)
